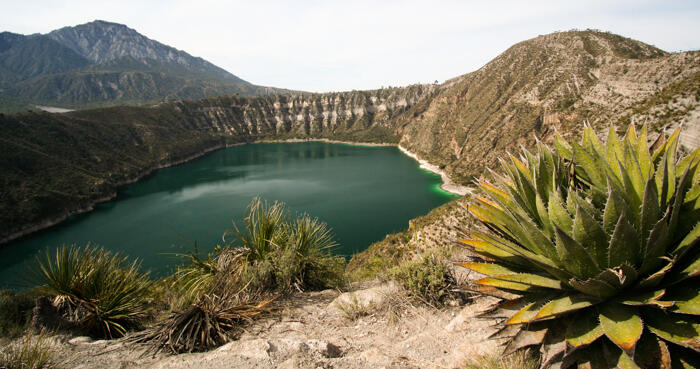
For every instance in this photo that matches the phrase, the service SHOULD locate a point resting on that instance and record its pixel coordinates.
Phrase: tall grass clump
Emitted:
(100, 292)
(29, 352)
(15, 312)
(593, 249)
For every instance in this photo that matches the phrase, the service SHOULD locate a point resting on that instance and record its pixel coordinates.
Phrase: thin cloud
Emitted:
(339, 45)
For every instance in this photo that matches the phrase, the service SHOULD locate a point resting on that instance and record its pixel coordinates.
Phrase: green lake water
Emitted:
(362, 192)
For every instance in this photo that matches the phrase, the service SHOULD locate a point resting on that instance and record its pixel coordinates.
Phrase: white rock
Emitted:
(254, 349)
(82, 340)
(363, 298)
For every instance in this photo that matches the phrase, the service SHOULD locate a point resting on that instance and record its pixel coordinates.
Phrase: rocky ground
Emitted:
(374, 326)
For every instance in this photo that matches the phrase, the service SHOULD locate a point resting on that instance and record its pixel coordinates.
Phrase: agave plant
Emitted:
(593, 250)
(102, 292)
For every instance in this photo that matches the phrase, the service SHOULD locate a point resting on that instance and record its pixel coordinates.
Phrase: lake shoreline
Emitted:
(447, 184)
(48, 223)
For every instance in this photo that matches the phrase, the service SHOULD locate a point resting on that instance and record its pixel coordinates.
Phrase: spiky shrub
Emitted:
(427, 279)
(212, 320)
(594, 250)
(99, 291)
(284, 252)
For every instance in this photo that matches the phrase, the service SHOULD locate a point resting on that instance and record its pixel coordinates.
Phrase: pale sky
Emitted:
(356, 44)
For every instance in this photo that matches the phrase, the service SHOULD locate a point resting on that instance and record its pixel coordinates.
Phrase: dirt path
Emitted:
(372, 329)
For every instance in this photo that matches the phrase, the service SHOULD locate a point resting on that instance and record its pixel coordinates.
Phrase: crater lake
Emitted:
(362, 192)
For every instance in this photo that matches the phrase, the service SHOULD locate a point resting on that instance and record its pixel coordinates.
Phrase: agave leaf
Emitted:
(692, 159)
(643, 156)
(534, 240)
(652, 352)
(574, 257)
(620, 360)
(532, 279)
(685, 359)
(585, 329)
(686, 299)
(554, 346)
(507, 308)
(680, 329)
(525, 338)
(588, 162)
(621, 324)
(651, 213)
(633, 169)
(558, 214)
(514, 286)
(489, 269)
(564, 305)
(631, 135)
(586, 357)
(487, 248)
(691, 240)
(654, 279)
(613, 209)
(667, 180)
(624, 244)
(613, 152)
(649, 298)
(594, 287)
(526, 314)
(547, 228)
(497, 194)
(588, 232)
(656, 245)
(684, 184)
(492, 291)
(632, 197)
(563, 147)
(506, 331)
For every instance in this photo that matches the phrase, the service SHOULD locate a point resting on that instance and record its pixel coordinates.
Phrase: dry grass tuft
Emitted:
(30, 352)
(523, 359)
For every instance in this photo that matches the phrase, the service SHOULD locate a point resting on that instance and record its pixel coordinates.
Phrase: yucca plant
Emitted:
(265, 229)
(99, 291)
(593, 249)
(214, 318)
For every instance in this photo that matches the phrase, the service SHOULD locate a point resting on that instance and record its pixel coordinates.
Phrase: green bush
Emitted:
(15, 312)
(273, 252)
(428, 279)
(100, 292)
(594, 250)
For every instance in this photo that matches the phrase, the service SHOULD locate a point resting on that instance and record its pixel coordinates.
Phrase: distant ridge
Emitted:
(103, 63)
